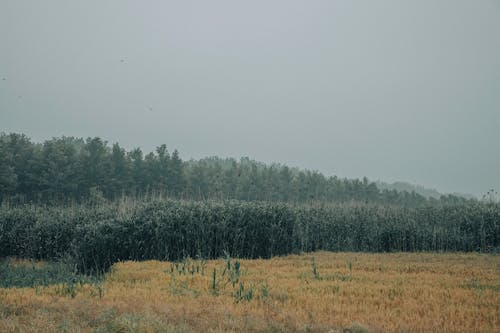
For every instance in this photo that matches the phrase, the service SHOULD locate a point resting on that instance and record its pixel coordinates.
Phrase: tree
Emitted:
(23, 165)
(59, 169)
(8, 177)
(137, 171)
(176, 179)
(119, 174)
(93, 164)
(162, 168)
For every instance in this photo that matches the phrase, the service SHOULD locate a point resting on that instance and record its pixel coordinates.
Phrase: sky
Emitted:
(394, 90)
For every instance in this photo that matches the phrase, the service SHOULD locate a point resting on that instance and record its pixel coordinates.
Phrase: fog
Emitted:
(391, 90)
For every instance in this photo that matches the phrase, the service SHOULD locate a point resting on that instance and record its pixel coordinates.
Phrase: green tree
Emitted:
(138, 184)
(59, 169)
(162, 168)
(176, 179)
(24, 163)
(119, 175)
(93, 164)
(8, 177)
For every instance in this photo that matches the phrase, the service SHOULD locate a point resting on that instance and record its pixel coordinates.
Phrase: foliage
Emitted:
(98, 235)
(73, 169)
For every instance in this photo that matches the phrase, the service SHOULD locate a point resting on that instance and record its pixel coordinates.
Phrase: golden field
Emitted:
(315, 292)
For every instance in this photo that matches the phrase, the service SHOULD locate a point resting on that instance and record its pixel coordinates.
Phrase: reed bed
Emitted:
(95, 236)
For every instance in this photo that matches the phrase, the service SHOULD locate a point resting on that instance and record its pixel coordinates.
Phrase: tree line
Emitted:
(73, 169)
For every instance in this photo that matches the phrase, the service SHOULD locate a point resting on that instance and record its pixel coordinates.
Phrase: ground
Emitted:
(314, 292)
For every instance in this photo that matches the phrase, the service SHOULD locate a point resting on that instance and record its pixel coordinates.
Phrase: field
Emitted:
(312, 292)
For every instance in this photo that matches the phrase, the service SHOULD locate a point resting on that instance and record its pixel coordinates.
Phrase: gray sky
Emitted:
(391, 90)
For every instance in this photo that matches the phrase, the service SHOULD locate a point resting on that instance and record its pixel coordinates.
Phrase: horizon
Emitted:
(394, 91)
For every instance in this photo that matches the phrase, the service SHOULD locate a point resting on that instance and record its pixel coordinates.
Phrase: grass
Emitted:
(350, 292)
(28, 273)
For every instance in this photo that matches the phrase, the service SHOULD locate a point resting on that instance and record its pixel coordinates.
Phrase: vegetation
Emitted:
(72, 169)
(355, 292)
(80, 207)
(98, 234)
(28, 273)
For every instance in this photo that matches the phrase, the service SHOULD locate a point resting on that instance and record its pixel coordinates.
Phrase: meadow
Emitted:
(311, 292)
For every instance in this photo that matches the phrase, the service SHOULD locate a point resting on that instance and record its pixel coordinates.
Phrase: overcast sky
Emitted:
(391, 90)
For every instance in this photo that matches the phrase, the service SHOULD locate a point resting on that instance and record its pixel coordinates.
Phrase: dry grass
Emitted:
(350, 292)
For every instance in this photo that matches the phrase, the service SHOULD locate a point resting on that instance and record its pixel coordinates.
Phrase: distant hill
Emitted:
(419, 189)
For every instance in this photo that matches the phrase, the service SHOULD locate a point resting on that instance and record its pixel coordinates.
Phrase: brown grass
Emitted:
(351, 292)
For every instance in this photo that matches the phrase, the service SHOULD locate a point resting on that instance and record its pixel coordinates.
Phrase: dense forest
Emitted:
(69, 169)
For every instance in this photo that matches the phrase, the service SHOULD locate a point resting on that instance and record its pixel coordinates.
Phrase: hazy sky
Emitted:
(391, 90)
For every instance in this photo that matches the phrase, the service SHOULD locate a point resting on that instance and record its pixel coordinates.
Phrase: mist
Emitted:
(391, 90)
